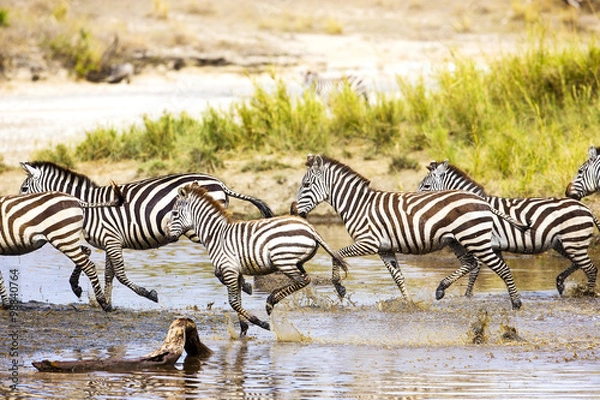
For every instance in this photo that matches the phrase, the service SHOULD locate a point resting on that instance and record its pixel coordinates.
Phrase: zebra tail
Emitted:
(264, 209)
(596, 222)
(522, 227)
(115, 203)
(334, 254)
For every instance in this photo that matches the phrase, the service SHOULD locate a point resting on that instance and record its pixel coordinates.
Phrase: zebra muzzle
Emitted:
(294, 210)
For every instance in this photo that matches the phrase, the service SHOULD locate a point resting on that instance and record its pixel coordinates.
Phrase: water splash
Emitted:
(284, 329)
(233, 332)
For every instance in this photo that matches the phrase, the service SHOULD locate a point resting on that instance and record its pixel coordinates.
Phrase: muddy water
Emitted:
(370, 345)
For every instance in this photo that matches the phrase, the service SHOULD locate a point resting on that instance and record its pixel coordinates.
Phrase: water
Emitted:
(368, 346)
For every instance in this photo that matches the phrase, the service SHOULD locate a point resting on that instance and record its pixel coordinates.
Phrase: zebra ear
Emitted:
(442, 167)
(317, 163)
(29, 170)
(181, 192)
(592, 153)
(431, 166)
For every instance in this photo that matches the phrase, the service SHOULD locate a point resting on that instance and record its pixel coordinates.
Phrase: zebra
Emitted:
(256, 247)
(138, 224)
(563, 224)
(587, 180)
(30, 221)
(389, 223)
(324, 87)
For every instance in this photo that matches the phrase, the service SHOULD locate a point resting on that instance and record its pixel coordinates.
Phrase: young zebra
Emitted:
(324, 87)
(587, 180)
(238, 248)
(139, 224)
(30, 221)
(388, 223)
(565, 225)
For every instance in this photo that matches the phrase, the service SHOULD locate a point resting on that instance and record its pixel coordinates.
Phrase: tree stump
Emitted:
(182, 335)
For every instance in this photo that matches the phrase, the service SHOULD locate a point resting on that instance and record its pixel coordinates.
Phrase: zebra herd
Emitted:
(56, 206)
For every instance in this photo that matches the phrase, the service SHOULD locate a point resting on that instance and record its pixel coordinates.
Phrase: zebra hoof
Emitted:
(247, 288)
(340, 289)
(560, 285)
(269, 308)
(264, 325)
(440, 293)
(152, 295)
(516, 304)
(77, 290)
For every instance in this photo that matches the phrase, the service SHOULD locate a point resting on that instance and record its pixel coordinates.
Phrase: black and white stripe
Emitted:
(257, 247)
(389, 223)
(139, 224)
(562, 224)
(587, 180)
(30, 221)
(324, 87)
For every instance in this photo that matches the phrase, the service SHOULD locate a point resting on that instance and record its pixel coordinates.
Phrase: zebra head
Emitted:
(434, 180)
(587, 180)
(33, 182)
(313, 190)
(180, 220)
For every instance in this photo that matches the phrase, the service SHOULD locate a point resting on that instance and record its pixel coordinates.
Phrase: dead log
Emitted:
(182, 335)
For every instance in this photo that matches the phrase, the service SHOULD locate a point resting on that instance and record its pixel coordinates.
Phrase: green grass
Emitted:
(522, 124)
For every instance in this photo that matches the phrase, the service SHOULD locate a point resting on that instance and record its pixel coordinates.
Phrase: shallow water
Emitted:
(368, 346)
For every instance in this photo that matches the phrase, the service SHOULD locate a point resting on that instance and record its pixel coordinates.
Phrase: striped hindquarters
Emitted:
(29, 221)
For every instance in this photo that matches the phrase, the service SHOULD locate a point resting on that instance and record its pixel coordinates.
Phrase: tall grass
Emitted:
(520, 124)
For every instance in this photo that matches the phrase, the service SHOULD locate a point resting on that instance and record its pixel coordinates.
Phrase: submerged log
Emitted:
(182, 335)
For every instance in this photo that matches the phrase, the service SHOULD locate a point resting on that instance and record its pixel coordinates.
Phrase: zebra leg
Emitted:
(579, 259)
(300, 281)
(115, 253)
(472, 278)
(391, 263)
(467, 261)
(3, 294)
(496, 263)
(336, 278)
(90, 270)
(83, 263)
(109, 276)
(74, 279)
(560, 279)
(246, 287)
(231, 280)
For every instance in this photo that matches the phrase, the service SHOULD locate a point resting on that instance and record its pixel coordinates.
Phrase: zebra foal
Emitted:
(30, 221)
(257, 247)
(562, 224)
(324, 87)
(389, 223)
(139, 224)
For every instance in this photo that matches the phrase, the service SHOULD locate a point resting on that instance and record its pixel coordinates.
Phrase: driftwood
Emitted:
(182, 335)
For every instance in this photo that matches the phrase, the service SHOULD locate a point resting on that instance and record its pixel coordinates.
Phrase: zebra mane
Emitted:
(462, 174)
(202, 193)
(48, 165)
(342, 167)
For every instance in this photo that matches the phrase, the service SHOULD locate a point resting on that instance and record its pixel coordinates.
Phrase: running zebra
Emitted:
(324, 87)
(139, 224)
(257, 247)
(565, 225)
(388, 223)
(587, 180)
(30, 221)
